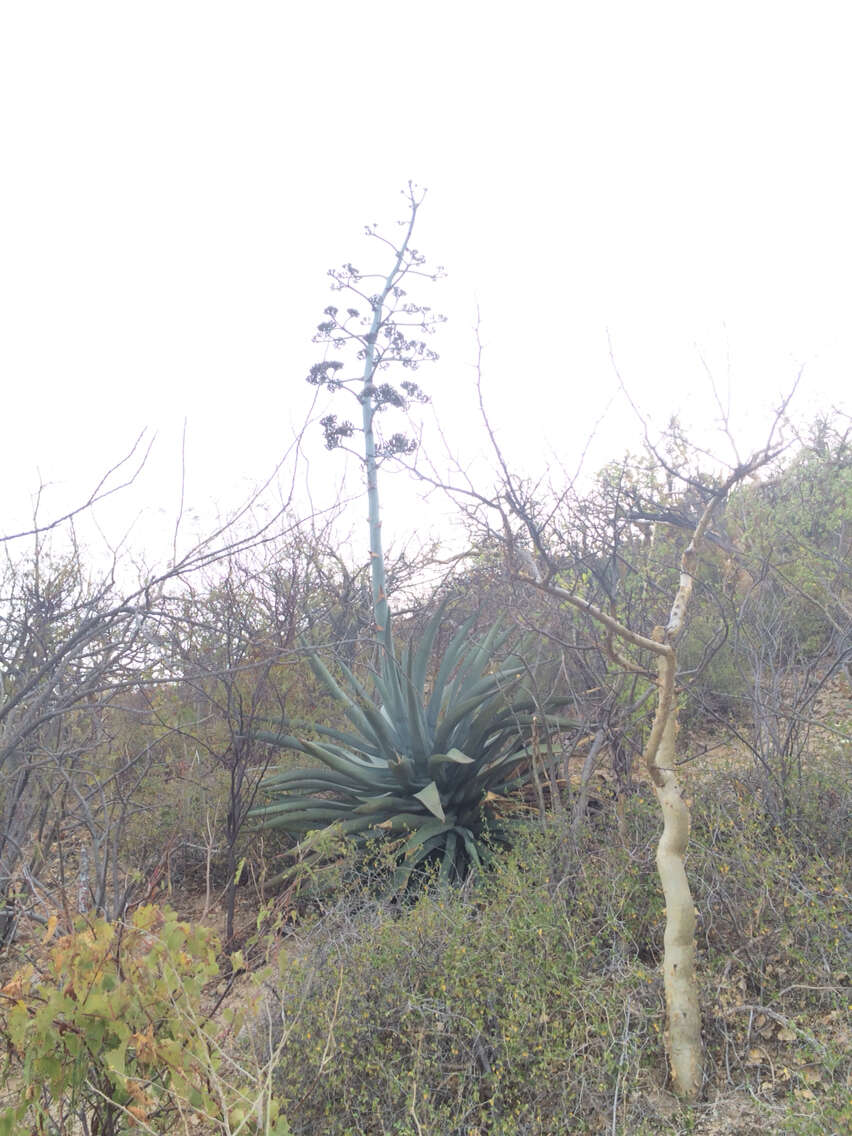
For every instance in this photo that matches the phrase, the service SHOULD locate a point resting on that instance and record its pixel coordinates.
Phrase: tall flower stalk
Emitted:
(432, 750)
(384, 338)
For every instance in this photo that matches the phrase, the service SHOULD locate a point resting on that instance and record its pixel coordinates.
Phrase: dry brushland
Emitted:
(524, 998)
(529, 999)
(559, 846)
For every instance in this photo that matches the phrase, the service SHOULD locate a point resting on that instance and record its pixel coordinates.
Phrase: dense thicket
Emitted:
(105, 705)
(129, 756)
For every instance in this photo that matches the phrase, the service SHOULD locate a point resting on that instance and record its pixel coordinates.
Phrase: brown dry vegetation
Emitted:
(527, 1000)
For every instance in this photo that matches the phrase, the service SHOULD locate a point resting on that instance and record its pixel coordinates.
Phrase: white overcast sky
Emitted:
(178, 176)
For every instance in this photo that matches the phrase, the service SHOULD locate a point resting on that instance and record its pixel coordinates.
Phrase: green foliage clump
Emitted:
(477, 1010)
(531, 1001)
(794, 531)
(109, 1033)
(427, 764)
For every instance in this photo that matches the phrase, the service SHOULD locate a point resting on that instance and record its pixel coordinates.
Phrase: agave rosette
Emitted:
(426, 766)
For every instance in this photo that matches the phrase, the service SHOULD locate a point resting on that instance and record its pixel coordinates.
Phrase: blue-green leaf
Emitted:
(431, 798)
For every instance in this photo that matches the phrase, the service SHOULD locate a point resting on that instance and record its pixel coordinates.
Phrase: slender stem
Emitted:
(371, 360)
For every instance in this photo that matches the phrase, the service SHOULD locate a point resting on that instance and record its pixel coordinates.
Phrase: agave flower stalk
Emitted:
(368, 412)
(428, 769)
(384, 338)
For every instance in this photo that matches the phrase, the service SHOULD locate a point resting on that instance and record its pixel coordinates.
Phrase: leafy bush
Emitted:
(110, 1035)
(471, 1011)
(427, 768)
(530, 1001)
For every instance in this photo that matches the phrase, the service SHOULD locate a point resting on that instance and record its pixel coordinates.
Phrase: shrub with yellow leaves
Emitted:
(110, 1036)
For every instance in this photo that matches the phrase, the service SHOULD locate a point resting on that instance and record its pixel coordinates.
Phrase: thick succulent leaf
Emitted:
(444, 736)
(382, 731)
(448, 860)
(293, 741)
(500, 714)
(429, 837)
(308, 812)
(351, 741)
(402, 821)
(356, 684)
(426, 830)
(476, 660)
(352, 710)
(377, 729)
(383, 720)
(310, 785)
(344, 827)
(477, 727)
(512, 756)
(375, 768)
(282, 741)
(402, 875)
(388, 681)
(420, 663)
(453, 757)
(502, 780)
(387, 640)
(389, 689)
(473, 662)
(541, 708)
(386, 803)
(550, 721)
(511, 721)
(466, 795)
(286, 778)
(529, 706)
(445, 671)
(394, 720)
(449, 775)
(403, 772)
(473, 852)
(417, 727)
(302, 821)
(431, 798)
(282, 811)
(483, 687)
(350, 766)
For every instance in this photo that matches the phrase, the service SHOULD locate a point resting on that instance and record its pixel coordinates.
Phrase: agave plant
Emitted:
(426, 767)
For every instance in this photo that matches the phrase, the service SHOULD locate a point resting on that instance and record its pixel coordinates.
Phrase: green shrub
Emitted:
(482, 1010)
(530, 1002)
(110, 1034)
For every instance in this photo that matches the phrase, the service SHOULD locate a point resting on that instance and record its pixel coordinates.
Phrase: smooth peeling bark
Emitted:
(685, 1049)
(684, 1044)
(681, 984)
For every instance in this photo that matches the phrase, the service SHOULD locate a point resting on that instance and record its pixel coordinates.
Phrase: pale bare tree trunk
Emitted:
(681, 983)
(683, 1016)
(683, 1033)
